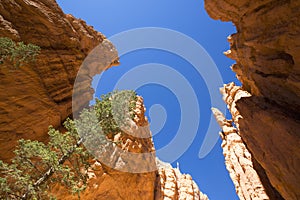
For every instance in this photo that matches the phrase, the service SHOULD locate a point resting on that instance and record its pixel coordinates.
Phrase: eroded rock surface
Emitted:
(173, 185)
(130, 171)
(257, 121)
(239, 162)
(266, 49)
(266, 46)
(40, 94)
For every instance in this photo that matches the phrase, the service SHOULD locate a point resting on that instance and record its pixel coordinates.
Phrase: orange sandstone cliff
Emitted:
(265, 110)
(40, 94)
(260, 143)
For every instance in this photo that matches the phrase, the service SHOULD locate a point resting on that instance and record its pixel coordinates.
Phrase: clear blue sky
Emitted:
(188, 17)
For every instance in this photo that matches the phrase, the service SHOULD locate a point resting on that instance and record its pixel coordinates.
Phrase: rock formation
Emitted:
(174, 185)
(115, 177)
(239, 161)
(266, 49)
(40, 94)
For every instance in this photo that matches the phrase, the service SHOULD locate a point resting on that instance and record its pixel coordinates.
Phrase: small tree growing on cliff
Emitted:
(17, 53)
(36, 165)
(63, 159)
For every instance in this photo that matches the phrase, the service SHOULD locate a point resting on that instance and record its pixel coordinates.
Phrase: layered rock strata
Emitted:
(266, 49)
(39, 94)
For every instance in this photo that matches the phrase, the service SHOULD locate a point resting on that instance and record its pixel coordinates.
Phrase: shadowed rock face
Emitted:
(266, 49)
(40, 94)
(266, 46)
(249, 178)
(239, 161)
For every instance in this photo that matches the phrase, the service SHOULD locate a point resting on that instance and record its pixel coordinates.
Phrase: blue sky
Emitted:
(188, 17)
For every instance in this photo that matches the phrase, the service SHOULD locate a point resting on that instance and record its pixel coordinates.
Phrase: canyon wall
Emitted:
(39, 94)
(239, 161)
(266, 49)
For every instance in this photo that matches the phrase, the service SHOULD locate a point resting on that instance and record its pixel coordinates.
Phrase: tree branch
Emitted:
(51, 170)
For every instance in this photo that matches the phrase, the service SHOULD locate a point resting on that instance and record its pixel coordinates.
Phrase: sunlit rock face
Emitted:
(172, 184)
(239, 162)
(249, 180)
(119, 175)
(39, 94)
(266, 49)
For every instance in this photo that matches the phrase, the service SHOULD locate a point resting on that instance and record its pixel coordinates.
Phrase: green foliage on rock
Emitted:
(114, 109)
(17, 53)
(36, 165)
(64, 160)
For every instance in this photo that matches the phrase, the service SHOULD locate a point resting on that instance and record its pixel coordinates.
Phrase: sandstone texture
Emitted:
(39, 94)
(42, 93)
(239, 162)
(266, 49)
(172, 185)
(270, 135)
(117, 173)
(166, 183)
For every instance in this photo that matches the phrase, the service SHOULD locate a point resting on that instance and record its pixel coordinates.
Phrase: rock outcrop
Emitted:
(266, 49)
(171, 184)
(116, 174)
(40, 94)
(239, 161)
(115, 177)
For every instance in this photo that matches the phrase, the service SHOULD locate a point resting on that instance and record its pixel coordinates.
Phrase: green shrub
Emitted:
(113, 110)
(17, 53)
(36, 165)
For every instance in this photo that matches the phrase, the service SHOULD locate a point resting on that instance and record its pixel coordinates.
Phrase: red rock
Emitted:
(40, 94)
(266, 49)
